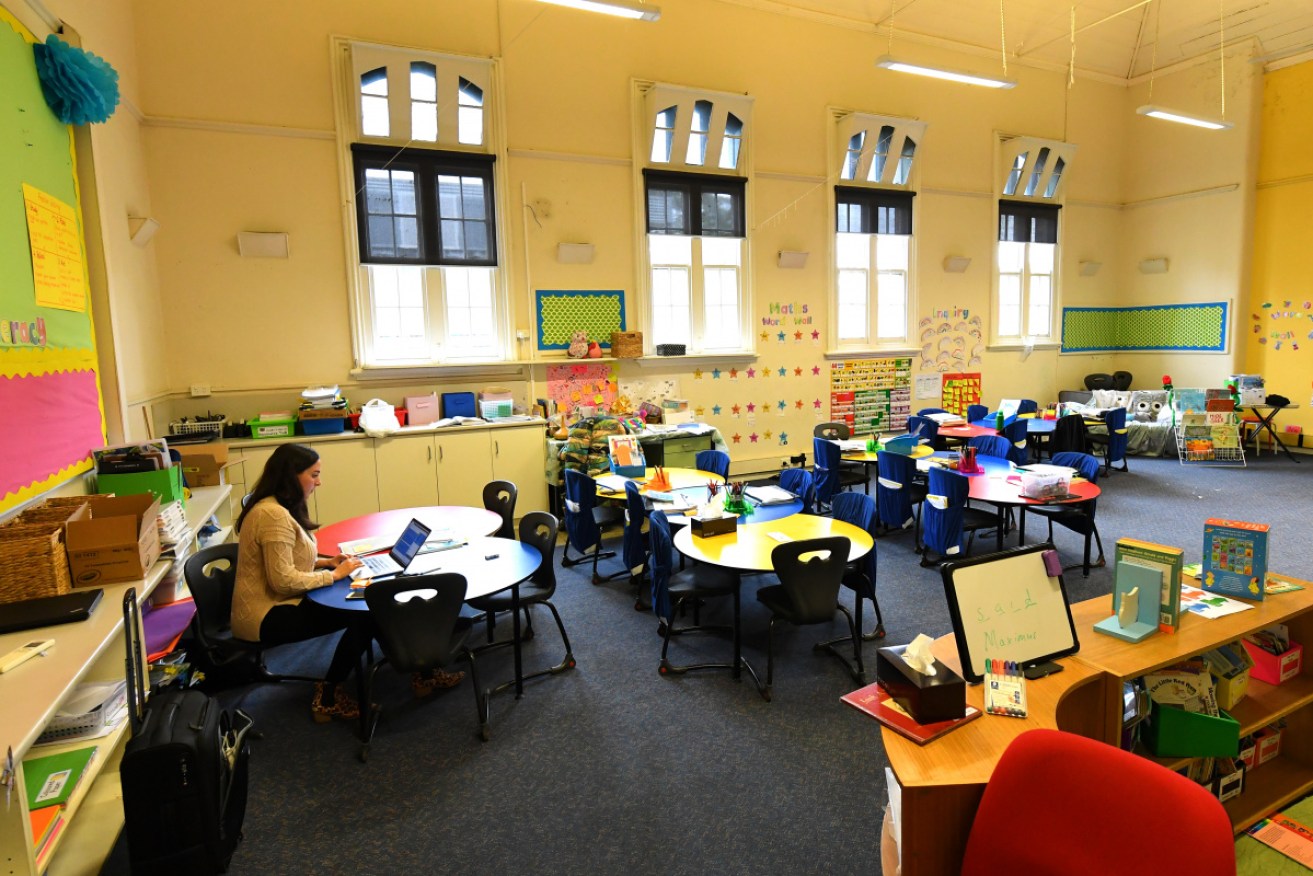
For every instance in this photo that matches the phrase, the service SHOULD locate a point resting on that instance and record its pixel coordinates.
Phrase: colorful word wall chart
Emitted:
(871, 395)
(960, 391)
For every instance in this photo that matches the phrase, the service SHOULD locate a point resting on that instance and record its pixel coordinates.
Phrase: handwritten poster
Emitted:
(57, 272)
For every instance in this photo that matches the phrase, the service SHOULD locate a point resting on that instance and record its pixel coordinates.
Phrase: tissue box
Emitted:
(1044, 486)
(705, 528)
(928, 698)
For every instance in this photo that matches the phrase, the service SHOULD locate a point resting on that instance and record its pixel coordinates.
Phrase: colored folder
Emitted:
(50, 780)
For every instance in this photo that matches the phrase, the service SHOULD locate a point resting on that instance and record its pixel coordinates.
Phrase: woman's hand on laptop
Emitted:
(344, 566)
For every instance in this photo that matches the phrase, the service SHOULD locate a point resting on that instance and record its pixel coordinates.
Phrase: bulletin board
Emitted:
(583, 384)
(871, 395)
(560, 314)
(960, 392)
(49, 385)
(1198, 328)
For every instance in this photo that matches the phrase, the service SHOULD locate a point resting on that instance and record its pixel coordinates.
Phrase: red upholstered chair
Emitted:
(1059, 803)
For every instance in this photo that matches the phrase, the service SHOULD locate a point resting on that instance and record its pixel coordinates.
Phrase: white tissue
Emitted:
(917, 655)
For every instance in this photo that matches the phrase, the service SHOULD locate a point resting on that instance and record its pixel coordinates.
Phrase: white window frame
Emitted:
(352, 58)
(844, 125)
(1017, 169)
(649, 98)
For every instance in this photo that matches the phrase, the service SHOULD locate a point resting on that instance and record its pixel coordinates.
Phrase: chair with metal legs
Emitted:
(670, 590)
(859, 577)
(585, 522)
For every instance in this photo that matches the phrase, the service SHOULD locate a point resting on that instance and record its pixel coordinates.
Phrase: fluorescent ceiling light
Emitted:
(622, 8)
(1158, 112)
(888, 63)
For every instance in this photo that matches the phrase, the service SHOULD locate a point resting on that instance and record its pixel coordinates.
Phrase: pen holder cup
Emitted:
(736, 505)
(927, 698)
(967, 460)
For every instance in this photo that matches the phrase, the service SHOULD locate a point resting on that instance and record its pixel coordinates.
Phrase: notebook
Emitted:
(46, 611)
(769, 495)
(399, 558)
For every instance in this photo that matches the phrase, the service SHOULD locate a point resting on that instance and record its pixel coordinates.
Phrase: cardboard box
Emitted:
(1248, 752)
(423, 409)
(1275, 668)
(1267, 743)
(119, 542)
(165, 484)
(1226, 785)
(206, 465)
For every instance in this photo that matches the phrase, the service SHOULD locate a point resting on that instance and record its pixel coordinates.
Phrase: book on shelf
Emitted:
(43, 823)
(51, 780)
(1163, 558)
(876, 702)
(1235, 558)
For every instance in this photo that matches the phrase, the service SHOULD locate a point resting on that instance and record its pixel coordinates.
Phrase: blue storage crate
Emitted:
(458, 404)
(323, 426)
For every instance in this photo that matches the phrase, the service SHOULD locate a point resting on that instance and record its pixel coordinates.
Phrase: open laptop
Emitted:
(46, 611)
(395, 561)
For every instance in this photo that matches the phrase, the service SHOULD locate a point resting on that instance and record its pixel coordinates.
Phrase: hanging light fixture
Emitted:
(889, 62)
(621, 8)
(1171, 115)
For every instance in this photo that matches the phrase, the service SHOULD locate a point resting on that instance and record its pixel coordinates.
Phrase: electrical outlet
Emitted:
(200, 390)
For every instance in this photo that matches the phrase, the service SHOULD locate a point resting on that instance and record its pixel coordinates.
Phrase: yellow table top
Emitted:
(679, 478)
(920, 451)
(749, 548)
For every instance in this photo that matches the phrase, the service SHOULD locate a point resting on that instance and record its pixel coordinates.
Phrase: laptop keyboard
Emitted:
(378, 565)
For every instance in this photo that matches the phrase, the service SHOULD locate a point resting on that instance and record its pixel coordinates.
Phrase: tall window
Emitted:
(430, 286)
(1030, 175)
(694, 195)
(872, 299)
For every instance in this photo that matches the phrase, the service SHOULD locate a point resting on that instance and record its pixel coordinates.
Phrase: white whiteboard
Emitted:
(1006, 607)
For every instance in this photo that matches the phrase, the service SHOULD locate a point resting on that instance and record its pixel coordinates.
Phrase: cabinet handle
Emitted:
(497, 447)
(430, 449)
(440, 454)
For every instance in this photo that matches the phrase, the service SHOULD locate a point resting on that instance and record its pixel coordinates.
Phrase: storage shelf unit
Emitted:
(91, 650)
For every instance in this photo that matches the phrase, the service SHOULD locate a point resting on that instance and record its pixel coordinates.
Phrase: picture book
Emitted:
(50, 780)
(1163, 558)
(1235, 558)
(876, 702)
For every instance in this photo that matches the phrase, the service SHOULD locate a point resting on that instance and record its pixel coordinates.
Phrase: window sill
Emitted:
(1013, 346)
(464, 369)
(743, 357)
(873, 353)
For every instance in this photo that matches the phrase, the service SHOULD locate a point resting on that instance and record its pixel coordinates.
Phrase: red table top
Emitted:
(967, 431)
(1001, 491)
(460, 520)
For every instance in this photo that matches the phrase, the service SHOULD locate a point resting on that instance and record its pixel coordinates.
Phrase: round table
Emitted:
(966, 432)
(458, 520)
(1002, 490)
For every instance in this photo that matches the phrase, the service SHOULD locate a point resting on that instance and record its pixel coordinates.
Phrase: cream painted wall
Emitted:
(254, 328)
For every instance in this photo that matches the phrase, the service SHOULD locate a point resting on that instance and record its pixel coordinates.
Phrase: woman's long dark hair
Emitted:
(281, 479)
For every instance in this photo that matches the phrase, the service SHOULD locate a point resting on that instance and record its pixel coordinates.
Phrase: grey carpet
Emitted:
(612, 768)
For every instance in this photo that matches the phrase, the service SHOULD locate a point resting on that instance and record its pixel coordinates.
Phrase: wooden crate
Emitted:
(626, 345)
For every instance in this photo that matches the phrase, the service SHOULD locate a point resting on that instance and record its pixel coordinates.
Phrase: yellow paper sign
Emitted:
(57, 271)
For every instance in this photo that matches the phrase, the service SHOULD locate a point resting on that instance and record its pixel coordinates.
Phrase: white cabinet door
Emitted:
(406, 470)
(464, 467)
(349, 485)
(518, 456)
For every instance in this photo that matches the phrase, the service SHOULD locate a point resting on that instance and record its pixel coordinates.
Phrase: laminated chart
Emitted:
(871, 395)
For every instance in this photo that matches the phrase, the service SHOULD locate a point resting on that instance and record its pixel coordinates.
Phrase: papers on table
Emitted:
(612, 483)
(769, 495)
(670, 501)
(947, 419)
(1045, 469)
(851, 445)
(371, 545)
(1210, 605)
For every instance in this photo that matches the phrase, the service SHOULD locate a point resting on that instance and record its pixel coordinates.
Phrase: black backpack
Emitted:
(184, 774)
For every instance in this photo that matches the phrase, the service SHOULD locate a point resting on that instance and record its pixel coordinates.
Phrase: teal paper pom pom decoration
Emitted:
(80, 87)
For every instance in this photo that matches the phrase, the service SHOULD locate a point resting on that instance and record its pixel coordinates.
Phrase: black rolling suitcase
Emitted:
(184, 774)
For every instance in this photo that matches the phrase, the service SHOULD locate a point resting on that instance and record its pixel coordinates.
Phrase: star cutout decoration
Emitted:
(751, 407)
(765, 372)
(798, 404)
(715, 410)
(753, 437)
(735, 409)
(816, 335)
(797, 336)
(780, 337)
(733, 373)
(783, 371)
(765, 335)
(697, 373)
(797, 372)
(736, 437)
(715, 373)
(699, 411)
(784, 438)
(782, 404)
(767, 435)
(752, 372)
(817, 404)
(816, 371)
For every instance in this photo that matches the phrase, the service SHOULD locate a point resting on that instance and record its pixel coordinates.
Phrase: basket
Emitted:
(33, 558)
(283, 427)
(63, 727)
(214, 428)
(626, 345)
(670, 349)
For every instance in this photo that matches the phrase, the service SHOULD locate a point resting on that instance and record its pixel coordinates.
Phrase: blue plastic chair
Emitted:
(634, 548)
(799, 482)
(1079, 518)
(946, 516)
(924, 427)
(996, 446)
(584, 522)
(976, 412)
(1114, 443)
(826, 472)
(1027, 406)
(670, 589)
(896, 491)
(714, 461)
(859, 577)
(1016, 433)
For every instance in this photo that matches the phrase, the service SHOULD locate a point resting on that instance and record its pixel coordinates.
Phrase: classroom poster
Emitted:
(871, 395)
(56, 251)
(581, 385)
(960, 391)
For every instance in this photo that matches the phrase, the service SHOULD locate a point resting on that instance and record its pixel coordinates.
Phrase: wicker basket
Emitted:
(33, 559)
(626, 345)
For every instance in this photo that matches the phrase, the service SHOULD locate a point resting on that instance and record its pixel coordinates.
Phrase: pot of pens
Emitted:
(736, 500)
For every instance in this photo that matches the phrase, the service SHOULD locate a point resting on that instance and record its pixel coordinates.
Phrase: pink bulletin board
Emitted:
(574, 385)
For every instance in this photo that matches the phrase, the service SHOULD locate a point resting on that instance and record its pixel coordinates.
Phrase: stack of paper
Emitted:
(769, 495)
(612, 483)
(175, 544)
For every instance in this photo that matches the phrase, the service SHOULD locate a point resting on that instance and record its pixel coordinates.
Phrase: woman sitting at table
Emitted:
(277, 564)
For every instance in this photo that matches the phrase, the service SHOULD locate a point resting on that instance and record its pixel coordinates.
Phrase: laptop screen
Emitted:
(408, 545)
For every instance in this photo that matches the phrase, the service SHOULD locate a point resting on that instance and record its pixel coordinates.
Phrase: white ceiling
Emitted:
(1114, 38)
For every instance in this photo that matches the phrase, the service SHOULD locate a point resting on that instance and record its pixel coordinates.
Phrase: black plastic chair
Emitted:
(1070, 435)
(585, 522)
(420, 629)
(1079, 517)
(1121, 380)
(1100, 381)
(808, 592)
(224, 659)
(670, 591)
(537, 529)
(499, 497)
